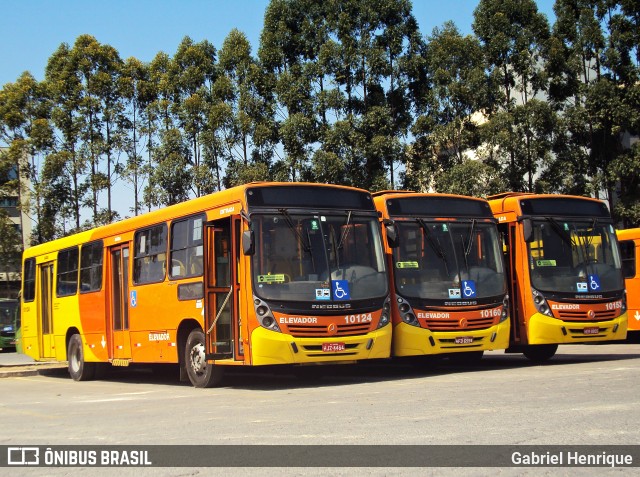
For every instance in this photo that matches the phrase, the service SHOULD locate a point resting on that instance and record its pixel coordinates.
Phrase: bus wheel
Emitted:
(540, 353)
(78, 368)
(201, 374)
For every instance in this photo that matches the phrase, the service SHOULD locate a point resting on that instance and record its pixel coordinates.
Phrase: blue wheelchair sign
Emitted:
(340, 289)
(468, 289)
(594, 282)
(133, 298)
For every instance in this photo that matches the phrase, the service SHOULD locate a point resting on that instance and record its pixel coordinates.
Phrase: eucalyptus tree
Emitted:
(65, 90)
(514, 36)
(452, 109)
(292, 34)
(96, 68)
(595, 76)
(243, 115)
(191, 75)
(27, 131)
(138, 92)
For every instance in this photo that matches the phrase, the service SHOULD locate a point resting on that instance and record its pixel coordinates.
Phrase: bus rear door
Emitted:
(119, 341)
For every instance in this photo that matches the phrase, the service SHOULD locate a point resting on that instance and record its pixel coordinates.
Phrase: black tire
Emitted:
(201, 374)
(540, 353)
(79, 369)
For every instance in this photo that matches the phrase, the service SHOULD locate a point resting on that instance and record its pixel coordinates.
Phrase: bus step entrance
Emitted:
(215, 356)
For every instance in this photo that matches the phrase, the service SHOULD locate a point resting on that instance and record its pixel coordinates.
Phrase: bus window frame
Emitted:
(63, 270)
(139, 256)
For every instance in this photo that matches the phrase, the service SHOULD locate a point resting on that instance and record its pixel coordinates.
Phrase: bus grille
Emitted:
(309, 331)
(454, 325)
(603, 315)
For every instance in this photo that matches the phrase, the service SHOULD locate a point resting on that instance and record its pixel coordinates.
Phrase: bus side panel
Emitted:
(29, 342)
(91, 322)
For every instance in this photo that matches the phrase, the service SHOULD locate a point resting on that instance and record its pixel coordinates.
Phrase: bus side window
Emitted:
(150, 255)
(628, 252)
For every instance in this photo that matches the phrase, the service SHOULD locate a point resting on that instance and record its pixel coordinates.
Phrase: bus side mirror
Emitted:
(392, 233)
(248, 242)
(527, 230)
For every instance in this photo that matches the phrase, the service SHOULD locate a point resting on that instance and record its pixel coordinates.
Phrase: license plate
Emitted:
(12, 342)
(463, 340)
(332, 347)
(591, 331)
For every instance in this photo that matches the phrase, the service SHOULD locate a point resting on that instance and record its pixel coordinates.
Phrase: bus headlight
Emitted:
(505, 309)
(406, 313)
(385, 317)
(264, 315)
(541, 303)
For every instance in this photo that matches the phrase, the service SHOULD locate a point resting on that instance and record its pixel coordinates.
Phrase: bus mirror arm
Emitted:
(248, 242)
(392, 233)
(527, 230)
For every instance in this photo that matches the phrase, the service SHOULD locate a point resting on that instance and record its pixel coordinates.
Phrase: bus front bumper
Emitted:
(414, 341)
(270, 347)
(543, 329)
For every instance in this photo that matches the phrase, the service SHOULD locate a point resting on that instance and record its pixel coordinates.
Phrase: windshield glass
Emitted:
(318, 257)
(574, 257)
(7, 312)
(448, 260)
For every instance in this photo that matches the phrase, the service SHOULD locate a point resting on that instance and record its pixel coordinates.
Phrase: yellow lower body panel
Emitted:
(270, 347)
(414, 341)
(543, 329)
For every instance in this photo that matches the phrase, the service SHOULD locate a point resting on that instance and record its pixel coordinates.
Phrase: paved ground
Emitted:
(14, 364)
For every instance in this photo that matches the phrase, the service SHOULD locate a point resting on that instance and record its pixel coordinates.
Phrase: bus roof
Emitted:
(628, 234)
(419, 204)
(189, 207)
(525, 203)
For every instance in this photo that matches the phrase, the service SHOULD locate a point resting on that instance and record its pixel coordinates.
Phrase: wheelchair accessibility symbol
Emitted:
(468, 289)
(594, 282)
(340, 290)
(133, 298)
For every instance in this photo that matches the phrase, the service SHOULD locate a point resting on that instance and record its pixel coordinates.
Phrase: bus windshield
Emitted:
(318, 257)
(434, 258)
(574, 256)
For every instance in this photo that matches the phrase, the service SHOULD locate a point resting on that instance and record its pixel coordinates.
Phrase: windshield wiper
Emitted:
(306, 244)
(434, 245)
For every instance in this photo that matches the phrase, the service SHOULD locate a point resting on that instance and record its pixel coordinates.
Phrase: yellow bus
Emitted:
(630, 250)
(564, 269)
(260, 274)
(448, 284)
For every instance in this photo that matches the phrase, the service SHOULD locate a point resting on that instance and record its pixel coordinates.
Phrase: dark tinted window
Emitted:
(91, 267)
(559, 207)
(150, 255)
(438, 207)
(309, 196)
(29, 280)
(67, 278)
(186, 247)
(628, 252)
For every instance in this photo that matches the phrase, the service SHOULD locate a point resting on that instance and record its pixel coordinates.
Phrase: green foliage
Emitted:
(346, 92)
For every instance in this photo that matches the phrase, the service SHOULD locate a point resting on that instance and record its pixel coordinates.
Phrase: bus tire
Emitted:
(540, 353)
(79, 369)
(201, 374)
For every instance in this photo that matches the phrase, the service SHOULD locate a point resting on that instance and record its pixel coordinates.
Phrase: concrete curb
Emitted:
(35, 369)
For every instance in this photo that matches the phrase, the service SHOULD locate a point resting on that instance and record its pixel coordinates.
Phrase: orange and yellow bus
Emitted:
(260, 274)
(564, 269)
(448, 284)
(630, 250)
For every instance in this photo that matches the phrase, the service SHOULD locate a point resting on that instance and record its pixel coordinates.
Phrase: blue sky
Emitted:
(31, 30)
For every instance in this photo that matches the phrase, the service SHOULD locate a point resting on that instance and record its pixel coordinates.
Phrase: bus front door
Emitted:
(47, 343)
(220, 290)
(119, 342)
